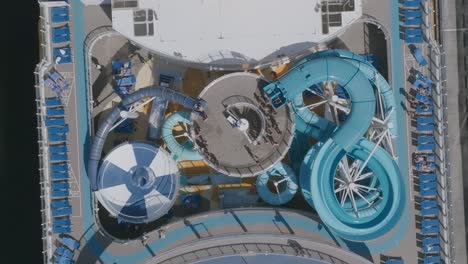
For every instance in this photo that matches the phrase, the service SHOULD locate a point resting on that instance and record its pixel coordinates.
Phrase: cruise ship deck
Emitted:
(311, 133)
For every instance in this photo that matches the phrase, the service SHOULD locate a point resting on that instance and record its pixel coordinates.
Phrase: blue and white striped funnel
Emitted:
(138, 182)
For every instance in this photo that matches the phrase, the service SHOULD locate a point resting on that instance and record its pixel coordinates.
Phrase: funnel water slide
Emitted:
(106, 126)
(370, 206)
(184, 151)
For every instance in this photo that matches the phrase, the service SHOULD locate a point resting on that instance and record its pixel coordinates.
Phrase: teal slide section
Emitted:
(283, 195)
(184, 151)
(307, 122)
(358, 78)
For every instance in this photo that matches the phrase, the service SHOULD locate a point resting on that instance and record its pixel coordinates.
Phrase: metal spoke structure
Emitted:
(356, 188)
(277, 182)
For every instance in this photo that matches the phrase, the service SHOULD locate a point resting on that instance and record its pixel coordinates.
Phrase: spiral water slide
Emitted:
(371, 206)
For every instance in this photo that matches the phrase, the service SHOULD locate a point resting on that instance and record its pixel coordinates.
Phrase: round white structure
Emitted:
(138, 182)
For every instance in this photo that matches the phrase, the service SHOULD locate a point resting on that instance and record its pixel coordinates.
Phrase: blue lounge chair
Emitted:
(432, 260)
(426, 147)
(61, 212)
(418, 84)
(59, 10)
(426, 139)
(394, 261)
(427, 177)
(65, 51)
(423, 98)
(412, 3)
(57, 137)
(425, 127)
(64, 252)
(419, 57)
(54, 122)
(430, 230)
(425, 120)
(413, 32)
(413, 13)
(53, 101)
(62, 222)
(431, 240)
(60, 175)
(60, 18)
(428, 192)
(431, 249)
(427, 157)
(423, 110)
(417, 39)
(61, 31)
(60, 194)
(429, 203)
(413, 22)
(425, 166)
(61, 230)
(58, 129)
(70, 243)
(58, 149)
(126, 81)
(56, 186)
(60, 38)
(55, 111)
(59, 167)
(120, 65)
(59, 204)
(430, 223)
(58, 156)
(428, 185)
(430, 212)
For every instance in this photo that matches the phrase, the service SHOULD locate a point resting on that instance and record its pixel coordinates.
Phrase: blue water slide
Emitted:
(352, 72)
(185, 150)
(306, 121)
(285, 192)
(104, 129)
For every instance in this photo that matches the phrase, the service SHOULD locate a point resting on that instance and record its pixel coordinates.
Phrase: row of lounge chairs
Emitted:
(65, 251)
(425, 164)
(61, 34)
(57, 130)
(124, 78)
(413, 21)
(56, 83)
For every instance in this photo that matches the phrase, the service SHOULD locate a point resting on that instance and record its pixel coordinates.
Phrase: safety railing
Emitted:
(437, 71)
(43, 162)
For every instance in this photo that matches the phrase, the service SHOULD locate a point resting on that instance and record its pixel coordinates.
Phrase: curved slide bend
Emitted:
(104, 129)
(307, 122)
(283, 195)
(185, 150)
(319, 169)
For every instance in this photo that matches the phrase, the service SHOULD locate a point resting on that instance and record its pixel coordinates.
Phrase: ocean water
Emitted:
(21, 234)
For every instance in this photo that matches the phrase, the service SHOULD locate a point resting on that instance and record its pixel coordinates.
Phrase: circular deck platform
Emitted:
(243, 135)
